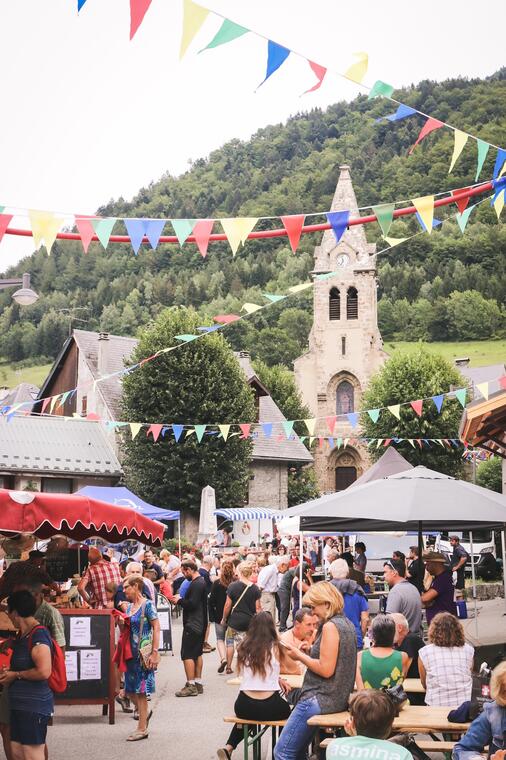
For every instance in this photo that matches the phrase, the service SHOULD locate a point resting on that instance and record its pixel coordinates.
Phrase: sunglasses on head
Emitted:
(389, 564)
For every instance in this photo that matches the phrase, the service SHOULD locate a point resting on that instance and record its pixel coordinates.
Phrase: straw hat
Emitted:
(435, 557)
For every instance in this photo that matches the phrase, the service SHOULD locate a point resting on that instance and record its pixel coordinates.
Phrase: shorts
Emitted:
(234, 637)
(191, 645)
(220, 631)
(28, 728)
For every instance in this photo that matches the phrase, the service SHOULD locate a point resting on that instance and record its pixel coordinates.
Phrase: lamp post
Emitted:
(25, 296)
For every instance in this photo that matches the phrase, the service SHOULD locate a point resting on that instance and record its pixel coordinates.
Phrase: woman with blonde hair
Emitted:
(242, 603)
(445, 664)
(330, 673)
(489, 728)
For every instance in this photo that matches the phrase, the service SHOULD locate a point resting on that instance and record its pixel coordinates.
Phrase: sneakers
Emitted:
(200, 688)
(188, 690)
(206, 648)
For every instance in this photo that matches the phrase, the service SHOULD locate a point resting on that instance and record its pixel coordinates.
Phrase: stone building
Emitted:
(345, 345)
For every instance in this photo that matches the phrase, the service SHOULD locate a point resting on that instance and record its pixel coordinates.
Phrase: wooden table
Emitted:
(295, 681)
(412, 719)
(414, 686)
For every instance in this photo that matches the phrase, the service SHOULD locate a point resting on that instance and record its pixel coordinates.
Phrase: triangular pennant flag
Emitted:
(183, 228)
(338, 220)
(5, 220)
(331, 442)
(483, 388)
(499, 163)
(138, 9)
(320, 441)
(392, 242)
(460, 202)
(463, 218)
(357, 70)
(385, 216)
(193, 17)
(178, 431)
(331, 423)
(373, 414)
(435, 222)
(410, 440)
(276, 56)
(429, 126)
(155, 431)
(380, 441)
(438, 401)
(237, 230)
(396, 410)
(134, 428)
(186, 337)
(52, 405)
(380, 88)
(311, 425)
(267, 428)
(189, 433)
(63, 398)
(80, 4)
(425, 207)
(153, 229)
(417, 406)
(103, 229)
(245, 429)
(86, 231)
(346, 442)
(288, 427)
(202, 232)
(320, 72)
(199, 431)
(45, 227)
(45, 402)
(224, 430)
(298, 288)
(502, 382)
(460, 395)
(499, 203)
(311, 441)
(135, 229)
(353, 418)
(272, 297)
(226, 319)
(459, 145)
(483, 148)
(339, 443)
(402, 112)
(293, 225)
(250, 308)
(227, 32)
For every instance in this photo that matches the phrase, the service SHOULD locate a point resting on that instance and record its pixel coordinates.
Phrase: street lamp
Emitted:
(25, 296)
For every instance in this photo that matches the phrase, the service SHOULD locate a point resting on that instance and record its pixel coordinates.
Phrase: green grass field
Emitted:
(480, 352)
(10, 376)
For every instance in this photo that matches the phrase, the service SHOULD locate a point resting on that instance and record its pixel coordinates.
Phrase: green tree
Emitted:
(471, 316)
(200, 383)
(489, 474)
(274, 346)
(407, 378)
(296, 323)
(302, 485)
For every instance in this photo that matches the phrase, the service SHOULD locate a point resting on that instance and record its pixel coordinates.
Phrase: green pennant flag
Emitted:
(227, 32)
(273, 297)
(482, 154)
(186, 337)
(385, 215)
(103, 229)
(288, 427)
(460, 395)
(380, 88)
(199, 431)
(463, 218)
(183, 228)
(373, 414)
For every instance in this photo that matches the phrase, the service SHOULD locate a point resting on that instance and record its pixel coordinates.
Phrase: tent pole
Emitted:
(301, 560)
(179, 536)
(420, 558)
(503, 547)
(473, 575)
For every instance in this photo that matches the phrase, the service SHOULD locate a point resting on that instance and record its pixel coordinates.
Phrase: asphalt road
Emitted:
(189, 729)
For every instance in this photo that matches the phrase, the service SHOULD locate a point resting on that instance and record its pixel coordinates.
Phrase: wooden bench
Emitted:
(253, 732)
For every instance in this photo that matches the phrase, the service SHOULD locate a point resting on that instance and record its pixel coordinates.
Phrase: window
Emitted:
(334, 304)
(345, 476)
(345, 398)
(56, 485)
(343, 346)
(7, 481)
(352, 304)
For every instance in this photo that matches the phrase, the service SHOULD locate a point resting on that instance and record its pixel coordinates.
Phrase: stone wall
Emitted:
(268, 486)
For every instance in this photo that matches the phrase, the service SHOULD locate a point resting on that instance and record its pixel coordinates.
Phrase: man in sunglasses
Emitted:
(403, 597)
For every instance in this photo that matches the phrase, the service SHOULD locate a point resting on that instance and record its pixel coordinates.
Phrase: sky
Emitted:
(89, 116)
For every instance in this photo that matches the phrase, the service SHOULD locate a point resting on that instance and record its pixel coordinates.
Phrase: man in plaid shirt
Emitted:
(98, 574)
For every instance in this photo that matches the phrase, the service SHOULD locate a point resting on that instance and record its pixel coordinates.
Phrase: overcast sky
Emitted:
(89, 116)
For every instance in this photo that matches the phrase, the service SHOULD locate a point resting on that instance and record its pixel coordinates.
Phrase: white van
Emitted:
(484, 552)
(381, 546)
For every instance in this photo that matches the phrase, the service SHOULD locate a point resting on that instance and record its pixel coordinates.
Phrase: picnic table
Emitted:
(411, 685)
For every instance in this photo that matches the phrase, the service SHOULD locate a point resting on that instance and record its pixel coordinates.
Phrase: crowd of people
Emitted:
(272, 619)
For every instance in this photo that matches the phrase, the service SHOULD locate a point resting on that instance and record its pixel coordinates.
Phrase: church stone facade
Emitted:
(345, 345)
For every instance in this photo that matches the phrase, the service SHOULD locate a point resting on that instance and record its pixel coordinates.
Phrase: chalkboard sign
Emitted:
(64, 563)
(89, 649)
(165, 618)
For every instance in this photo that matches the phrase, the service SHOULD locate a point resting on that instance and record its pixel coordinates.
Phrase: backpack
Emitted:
(57, 681)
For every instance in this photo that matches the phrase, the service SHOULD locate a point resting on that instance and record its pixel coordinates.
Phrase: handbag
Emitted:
(248, 585)
(397, 694)
(145, 642)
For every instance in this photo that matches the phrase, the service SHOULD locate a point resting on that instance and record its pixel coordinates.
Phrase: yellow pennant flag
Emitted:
(134, 428)
(357, 70)
(499, 204)
(45, 226)
(52, 403)
(483, 388)
(237, 230)
(310, 424)
(298, 288)
(224, 430)
(193, 17)
(251, 307)
(460, 141)
(392, 242)
(425, 207)
(396, 410)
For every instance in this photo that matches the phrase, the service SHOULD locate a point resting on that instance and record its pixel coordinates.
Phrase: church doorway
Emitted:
(345, 476)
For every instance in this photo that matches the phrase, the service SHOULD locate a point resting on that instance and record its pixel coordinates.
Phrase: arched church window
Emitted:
(352, 304)
(345, 398)
(334, 304)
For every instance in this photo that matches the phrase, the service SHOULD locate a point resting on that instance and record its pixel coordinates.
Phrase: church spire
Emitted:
(344, 196)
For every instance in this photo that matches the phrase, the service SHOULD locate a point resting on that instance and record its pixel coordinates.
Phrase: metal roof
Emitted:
(52, 445)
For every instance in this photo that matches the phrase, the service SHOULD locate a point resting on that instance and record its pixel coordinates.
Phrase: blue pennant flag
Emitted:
(402, 112)
(353, 418)
(499, 162)
(267, 428)
(178, 431)
(435, 222)
(153, 229)
(338, 220)
(80, 4)
(331, 442)
(438, 400)
(135, 229)
(165, 430)
(276, 56)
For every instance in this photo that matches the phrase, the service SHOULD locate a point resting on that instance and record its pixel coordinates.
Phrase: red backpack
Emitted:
(57, 681)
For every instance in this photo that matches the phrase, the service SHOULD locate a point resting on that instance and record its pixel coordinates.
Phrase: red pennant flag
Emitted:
(85, 229)
(245, 430)
(320, 441)
(388, 441)
(320, 72)
(331, 423)
(417, 406)
(45, 402)
(92, 416)
(419, 442)
(155, 430)
(429, 126)
(138, 9)
(5, 220)
(201, 233)
(502, 382)
(461, 203)
(293, 225)
(225, 319)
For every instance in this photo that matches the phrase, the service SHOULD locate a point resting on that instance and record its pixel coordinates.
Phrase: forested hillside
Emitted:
(432, 287)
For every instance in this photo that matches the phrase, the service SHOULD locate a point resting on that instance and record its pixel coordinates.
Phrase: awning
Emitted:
(249, 513)
(122, 497)
(484, 423)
